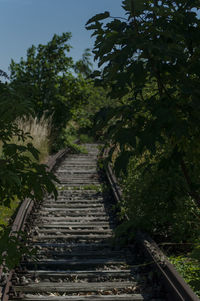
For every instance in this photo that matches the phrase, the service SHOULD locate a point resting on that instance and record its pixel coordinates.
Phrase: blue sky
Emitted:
(27, 22)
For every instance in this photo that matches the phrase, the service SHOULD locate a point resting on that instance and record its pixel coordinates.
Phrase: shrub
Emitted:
(39, 129)
(156, 202)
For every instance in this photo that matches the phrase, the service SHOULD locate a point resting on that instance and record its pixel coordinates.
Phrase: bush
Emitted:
(189, 268)
(156, 202)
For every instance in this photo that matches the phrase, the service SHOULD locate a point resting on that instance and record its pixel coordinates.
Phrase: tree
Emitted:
(153, 57)
(84, 65)
(45, 78)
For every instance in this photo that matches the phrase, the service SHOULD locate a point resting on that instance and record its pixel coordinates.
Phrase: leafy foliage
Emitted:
(189, 268)
(20, 176)
(45, 78)
(152, 56)
(12, 248)
(84, 65)
(155, 201)
(150, 60)
(84, 115)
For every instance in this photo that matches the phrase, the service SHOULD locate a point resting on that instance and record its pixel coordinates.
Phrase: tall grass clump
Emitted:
(39, 130)
(38, 133)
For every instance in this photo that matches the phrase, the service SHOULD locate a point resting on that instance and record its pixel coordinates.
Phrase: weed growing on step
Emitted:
(97, 188)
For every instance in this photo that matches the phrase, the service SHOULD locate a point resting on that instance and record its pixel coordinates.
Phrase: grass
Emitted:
(39, 130)
(75, 148)
(84, 138)
(7, 212)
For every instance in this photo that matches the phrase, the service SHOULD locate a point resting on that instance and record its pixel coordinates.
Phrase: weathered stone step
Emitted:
(76, 200)
(78, 181)
(80, 254)
(90, 237)
(76, 231)
(79, 274)
(92, 146)
(74, 264)
(81, 193)
(69, 213)
(82, 162)
(73, 246)
(74, 225)
(80, 165)
(72, 206)
(88, 180)
(77, 169)
(70, 218)
(78, 162)
(43, 287)
(73, 209)
(70, 182)
(70, 202)
(70, 223)
(122, 297)
(78, 158)
(90, 177)
(77, 173)
(87, 189)
(66, 195)
(79, 155)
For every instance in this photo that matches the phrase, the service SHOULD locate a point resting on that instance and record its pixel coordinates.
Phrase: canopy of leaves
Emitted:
(45, 78)
(84, 65)
(20, 175)
(153, 56)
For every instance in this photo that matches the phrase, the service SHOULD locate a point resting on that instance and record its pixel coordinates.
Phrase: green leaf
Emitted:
(121, 163)
(98, 17)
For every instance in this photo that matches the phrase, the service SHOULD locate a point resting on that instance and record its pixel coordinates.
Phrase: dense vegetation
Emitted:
(42, 108)
(156, 73)
(21, 176)
(144, 103)
(150, 59)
